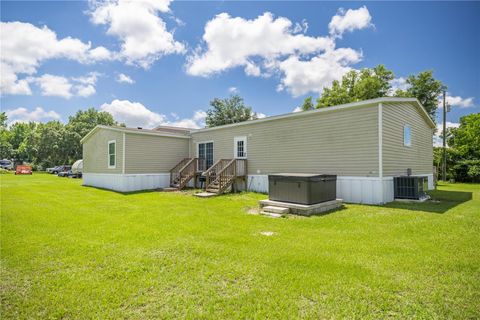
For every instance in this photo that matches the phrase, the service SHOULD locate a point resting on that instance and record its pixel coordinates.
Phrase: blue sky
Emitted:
(52, 65)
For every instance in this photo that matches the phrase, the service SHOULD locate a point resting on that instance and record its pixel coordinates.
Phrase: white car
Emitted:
(6, 164)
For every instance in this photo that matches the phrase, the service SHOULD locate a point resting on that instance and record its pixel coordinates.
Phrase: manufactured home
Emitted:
(366, 144)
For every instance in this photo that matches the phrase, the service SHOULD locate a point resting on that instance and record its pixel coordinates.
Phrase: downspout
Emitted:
(123, 155)
(380, 149)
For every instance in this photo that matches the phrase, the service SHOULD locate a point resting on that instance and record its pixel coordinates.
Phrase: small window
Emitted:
(240, 147)
(112, 149)
(407, 139)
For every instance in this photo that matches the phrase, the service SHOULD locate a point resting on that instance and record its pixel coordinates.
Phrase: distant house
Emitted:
(364, 143)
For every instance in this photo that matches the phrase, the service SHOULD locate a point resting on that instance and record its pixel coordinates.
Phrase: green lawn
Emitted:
(75, 252)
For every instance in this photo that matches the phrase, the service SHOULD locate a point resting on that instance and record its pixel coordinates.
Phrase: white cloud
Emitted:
(137, 24)
(303, 76)
(437, 140)
(457, 101)
(266, 46)
(349, 20)
(196, 122)
(86, 84)
(123, 78)
(24, 47)
(24, 115)
(261, 115)
(135, 114)
(300, 27)
(58, 86)
(398, 84)
(297, 109)
(233, 90)
(236, 42)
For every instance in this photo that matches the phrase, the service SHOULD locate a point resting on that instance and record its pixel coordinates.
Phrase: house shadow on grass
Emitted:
(441, 201)
(185, 191)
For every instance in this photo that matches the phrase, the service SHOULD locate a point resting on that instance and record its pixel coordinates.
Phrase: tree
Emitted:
(227, 111)
(3, 120)
(356, 86)
(307, 104)
(463, 152)
(79, 125)
(49, 142)
(466, 138)
(426, 89)
(20, 135)
(6, 150)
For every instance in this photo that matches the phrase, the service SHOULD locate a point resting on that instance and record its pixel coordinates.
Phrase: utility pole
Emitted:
(444, 164)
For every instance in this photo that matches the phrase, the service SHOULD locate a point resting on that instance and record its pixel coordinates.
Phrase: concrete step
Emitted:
(270, 214)
(273, 209)
(212, 190)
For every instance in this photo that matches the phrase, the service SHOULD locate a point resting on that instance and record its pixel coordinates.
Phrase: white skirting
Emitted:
(127, 182)
(368, 190)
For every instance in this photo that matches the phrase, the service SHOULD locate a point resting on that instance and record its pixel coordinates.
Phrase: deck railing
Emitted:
(211, 173)
(183, 172)
(175, 171)
(224, 172)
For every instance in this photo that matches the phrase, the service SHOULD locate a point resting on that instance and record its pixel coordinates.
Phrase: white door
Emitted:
(240, 147)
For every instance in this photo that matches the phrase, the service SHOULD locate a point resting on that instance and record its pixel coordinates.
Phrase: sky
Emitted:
(160, 62)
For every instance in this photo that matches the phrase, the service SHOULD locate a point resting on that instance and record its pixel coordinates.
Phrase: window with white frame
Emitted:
(112, 154)
(407, 138)
(240, 144)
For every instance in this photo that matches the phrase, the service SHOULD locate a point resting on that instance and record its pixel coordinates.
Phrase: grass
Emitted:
(75, 252)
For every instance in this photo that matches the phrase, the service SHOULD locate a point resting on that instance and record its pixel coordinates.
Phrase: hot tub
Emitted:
(302, 188)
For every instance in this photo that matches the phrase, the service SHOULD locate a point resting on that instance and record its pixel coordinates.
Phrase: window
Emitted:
(407, 139)
(112, 149)
(240, 147)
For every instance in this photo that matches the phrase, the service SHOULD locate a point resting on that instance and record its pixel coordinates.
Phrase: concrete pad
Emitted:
(273, 209)
(302, 209)
(270, 214)
(169, 189)
(267, 233)
(205, 194)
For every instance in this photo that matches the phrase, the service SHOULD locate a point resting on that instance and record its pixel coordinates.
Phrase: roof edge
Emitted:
(126, 130)
(326, 109)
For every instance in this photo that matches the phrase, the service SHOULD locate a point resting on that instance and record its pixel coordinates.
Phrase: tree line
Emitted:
(463, 152)
(52, 143)
(371, 83)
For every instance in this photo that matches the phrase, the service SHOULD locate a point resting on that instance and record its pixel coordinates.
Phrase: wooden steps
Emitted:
(183, 172)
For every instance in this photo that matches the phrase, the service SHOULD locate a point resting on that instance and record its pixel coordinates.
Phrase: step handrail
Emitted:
(223, 178)
(187, 172)
(174, 172)
(214, 169)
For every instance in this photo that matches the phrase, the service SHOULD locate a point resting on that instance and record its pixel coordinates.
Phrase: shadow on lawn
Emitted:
(441, 202)
(186, 191)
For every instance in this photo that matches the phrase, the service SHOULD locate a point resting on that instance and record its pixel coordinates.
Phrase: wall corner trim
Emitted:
(380, 140)
(123, 154)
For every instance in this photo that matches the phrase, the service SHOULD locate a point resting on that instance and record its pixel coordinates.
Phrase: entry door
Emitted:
(205, 153)
(240, 147)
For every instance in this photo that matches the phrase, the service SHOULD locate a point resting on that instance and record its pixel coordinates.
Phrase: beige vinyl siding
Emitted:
(342, 142)
(95, 152)
(153, 154)
(397, 157)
